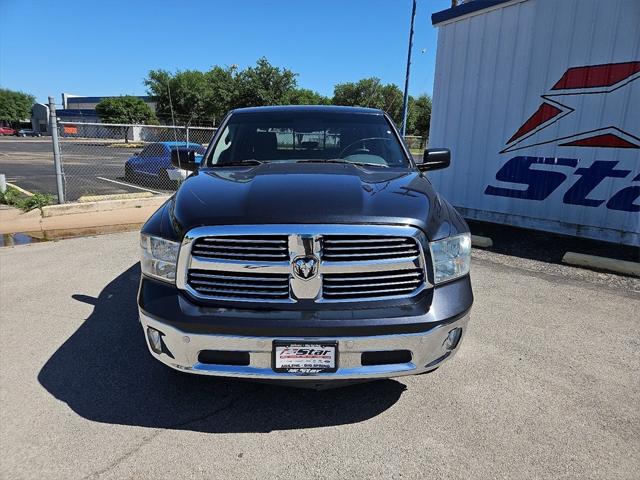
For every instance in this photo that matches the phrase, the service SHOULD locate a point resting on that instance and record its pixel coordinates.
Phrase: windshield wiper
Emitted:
(243, 163)
(340, 160)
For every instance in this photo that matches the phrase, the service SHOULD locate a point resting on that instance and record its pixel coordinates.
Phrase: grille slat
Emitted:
(235, 247)
(237, 255)
(335, 287)
(240, 286)
(244, 240)
(363, 248)
(247, 292)
(243, 249)
(372, 293)
(344, 286)
(233, 277)
(207, 283)
(370, 247)
(371, 255)
(335, 278)
(333, 240)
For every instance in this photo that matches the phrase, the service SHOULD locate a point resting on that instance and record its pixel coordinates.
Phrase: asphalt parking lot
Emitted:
(90, 167)
(546, 385)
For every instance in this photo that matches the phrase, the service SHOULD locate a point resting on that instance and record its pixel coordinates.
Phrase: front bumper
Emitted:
(176, 174)
(428, 351)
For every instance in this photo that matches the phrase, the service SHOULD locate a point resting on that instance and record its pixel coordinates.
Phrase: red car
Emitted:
(7, 131)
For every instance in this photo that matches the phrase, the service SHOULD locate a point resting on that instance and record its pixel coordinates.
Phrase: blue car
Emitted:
(153, 163)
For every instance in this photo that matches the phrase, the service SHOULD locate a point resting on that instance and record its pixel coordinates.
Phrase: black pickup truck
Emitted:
(307, 246)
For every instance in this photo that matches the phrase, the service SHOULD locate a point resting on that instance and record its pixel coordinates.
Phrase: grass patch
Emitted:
(10, 197)
(16, 199)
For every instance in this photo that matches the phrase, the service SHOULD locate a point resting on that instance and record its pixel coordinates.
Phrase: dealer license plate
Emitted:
(304, 358)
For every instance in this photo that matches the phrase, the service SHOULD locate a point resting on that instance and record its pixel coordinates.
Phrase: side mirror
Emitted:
(184, 158)
(435, 159)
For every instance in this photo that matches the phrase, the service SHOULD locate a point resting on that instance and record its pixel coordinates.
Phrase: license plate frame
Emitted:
(304, 370)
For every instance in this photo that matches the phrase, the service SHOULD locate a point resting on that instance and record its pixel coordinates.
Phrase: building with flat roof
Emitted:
(75, 108)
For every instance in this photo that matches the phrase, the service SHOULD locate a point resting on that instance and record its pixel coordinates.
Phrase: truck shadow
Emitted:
(104, 373)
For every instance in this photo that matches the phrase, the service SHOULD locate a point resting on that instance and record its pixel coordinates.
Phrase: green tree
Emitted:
(392, 102)
(422, 112)
(222, 85)
(183, 96)
(370, 92)
(304, 96)
(364, 93)
(15, 106)
(205, 97)
(125, 109)
(263, 84)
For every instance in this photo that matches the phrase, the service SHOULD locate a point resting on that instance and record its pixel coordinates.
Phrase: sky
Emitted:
(100, 48)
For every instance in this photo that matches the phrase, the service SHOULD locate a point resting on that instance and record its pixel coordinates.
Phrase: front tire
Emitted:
(129, 176)
(165, 182)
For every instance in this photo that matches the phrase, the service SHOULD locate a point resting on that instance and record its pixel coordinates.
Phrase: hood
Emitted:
(307, 193)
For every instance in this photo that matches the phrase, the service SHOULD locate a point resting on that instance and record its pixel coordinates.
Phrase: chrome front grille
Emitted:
(239, 286)
(364, 247)
(348, 286)
(247, 248)
(290, 263)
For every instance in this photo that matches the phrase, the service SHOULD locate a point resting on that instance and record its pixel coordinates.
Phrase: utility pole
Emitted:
(405, 103)
(55, 141)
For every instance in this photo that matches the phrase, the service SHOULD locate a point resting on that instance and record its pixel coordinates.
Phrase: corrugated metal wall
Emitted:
(493, 69)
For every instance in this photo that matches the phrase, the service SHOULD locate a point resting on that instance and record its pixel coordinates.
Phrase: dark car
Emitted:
(26, 132)
(306, 247)
(153, 163)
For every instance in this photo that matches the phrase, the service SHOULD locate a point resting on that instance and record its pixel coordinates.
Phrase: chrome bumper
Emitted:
(428, 352)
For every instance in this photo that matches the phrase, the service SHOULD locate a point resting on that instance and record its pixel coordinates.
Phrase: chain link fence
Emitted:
(416, 144)
(116, 160)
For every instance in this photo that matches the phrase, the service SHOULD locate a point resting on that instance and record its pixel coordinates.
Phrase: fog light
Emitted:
(453, 338)
(155, 340)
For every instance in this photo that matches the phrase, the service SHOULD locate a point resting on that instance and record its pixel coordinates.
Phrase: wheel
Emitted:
(165, 181)
(129, 176)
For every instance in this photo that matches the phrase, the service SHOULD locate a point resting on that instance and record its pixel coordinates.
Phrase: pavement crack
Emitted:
(149, 438)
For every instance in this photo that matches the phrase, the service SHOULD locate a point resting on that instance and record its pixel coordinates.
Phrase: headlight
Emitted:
(159, 257)
(451, 257)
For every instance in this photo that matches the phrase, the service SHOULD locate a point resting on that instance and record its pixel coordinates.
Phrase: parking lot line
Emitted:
(129, 185)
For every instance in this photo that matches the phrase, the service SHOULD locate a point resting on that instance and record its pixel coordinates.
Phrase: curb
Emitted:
(20, 189)
(79, 216)
(103, 206)
(603, 263)
(114, 196)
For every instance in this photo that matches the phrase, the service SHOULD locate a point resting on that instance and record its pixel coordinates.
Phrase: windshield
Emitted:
(364, 139)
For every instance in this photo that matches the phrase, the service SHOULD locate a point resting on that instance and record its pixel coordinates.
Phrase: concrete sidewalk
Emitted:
(75, 216)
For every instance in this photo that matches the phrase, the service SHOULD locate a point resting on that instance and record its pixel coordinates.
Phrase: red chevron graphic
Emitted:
(596, 75)
(544, 113)
(604, 140)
